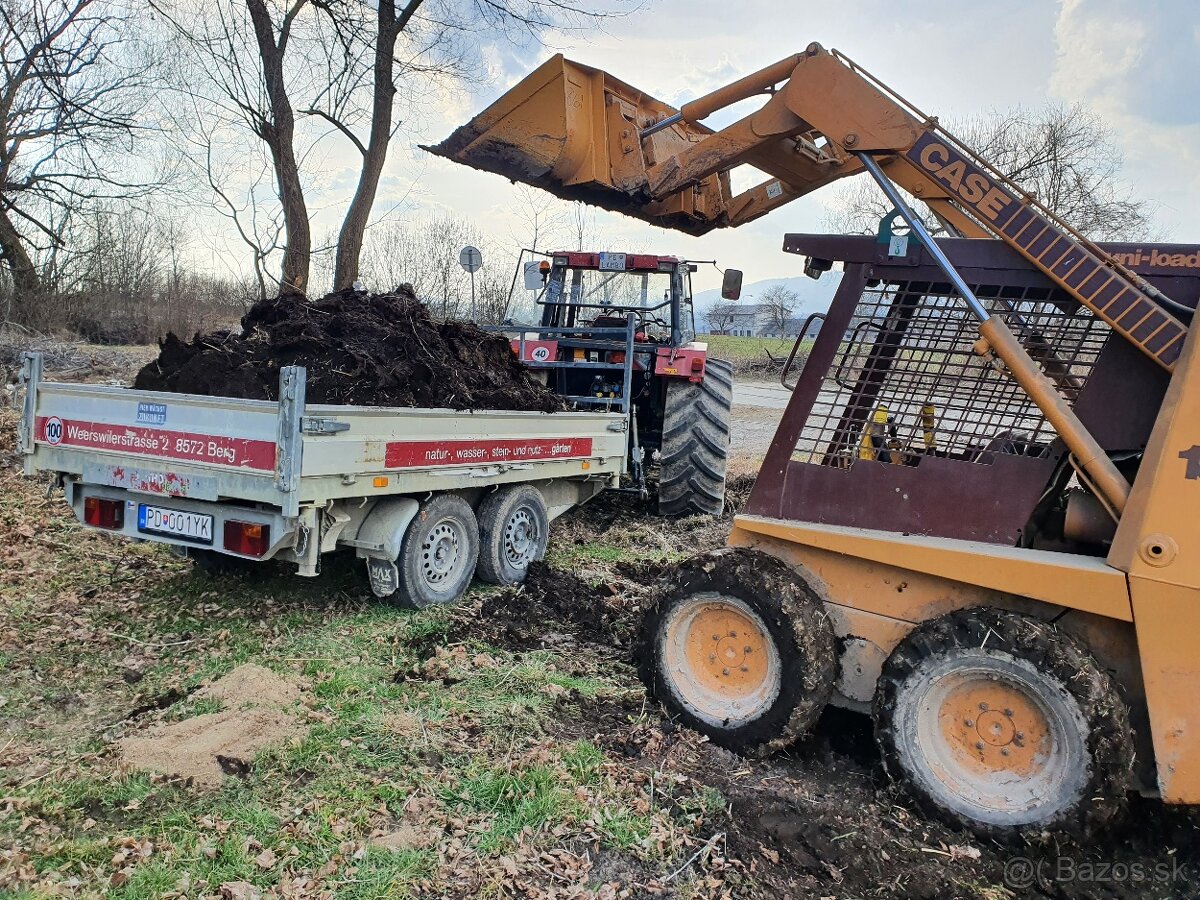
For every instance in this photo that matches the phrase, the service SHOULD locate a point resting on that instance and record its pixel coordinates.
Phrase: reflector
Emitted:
(101, 513)
(247, 538)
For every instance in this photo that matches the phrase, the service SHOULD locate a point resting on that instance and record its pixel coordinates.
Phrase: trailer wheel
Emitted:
(1004, 725)
(438, 553)
(695, 443)
(740, 650)
(513, 531)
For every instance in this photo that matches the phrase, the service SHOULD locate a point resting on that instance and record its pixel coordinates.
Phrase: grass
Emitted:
(738, 349)
(404, 728)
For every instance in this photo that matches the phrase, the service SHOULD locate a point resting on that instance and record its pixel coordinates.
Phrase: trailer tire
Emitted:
(740, 649)
(695, 443)
(438, 553)
(1005, 725)
(514, 528)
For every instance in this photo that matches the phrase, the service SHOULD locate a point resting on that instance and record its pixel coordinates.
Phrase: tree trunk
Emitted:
(350, 238)
(26, 282)
(279, 136)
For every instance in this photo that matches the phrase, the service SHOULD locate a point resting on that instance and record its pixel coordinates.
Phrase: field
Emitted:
(323, 744)
(753, 354)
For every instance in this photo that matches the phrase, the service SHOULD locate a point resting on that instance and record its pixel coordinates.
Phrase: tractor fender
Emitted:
(381, 532)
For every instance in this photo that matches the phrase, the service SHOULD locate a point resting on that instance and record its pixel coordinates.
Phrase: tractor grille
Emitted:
(906, 381)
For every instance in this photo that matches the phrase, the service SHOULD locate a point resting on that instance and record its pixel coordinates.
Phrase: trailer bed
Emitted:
(287, 454)
(314, 477)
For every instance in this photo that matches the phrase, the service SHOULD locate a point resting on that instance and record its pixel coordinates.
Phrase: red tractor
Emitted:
(617, 330)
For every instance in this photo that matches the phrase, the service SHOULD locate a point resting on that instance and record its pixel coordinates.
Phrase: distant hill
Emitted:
(815, 296)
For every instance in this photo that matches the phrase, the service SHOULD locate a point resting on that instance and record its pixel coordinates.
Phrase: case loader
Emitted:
(976, 520)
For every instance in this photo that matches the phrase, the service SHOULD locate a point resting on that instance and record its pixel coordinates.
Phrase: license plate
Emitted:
(186, 526)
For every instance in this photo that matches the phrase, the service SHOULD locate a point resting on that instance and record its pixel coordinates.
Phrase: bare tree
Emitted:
(424, 253)
(341, 66)
(69, 99)
(541, 218)
(720, 317)
(582, 226)
(276, 126)
(1063, 155)
(779, 306)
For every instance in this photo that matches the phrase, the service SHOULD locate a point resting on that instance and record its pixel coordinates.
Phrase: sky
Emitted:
(1137, 65)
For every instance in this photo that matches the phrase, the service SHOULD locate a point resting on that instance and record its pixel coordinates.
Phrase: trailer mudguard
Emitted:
(381, 532)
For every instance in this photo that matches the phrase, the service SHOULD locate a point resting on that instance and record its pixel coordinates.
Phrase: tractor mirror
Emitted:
(731, 284)
(533, 276)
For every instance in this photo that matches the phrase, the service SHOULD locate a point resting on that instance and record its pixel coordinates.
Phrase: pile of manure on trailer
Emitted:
(359, 348)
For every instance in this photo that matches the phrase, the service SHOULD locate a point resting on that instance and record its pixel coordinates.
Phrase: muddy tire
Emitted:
(513, 531)
(693, 651)
(1005, 725)
(695, 443)
(438, 553)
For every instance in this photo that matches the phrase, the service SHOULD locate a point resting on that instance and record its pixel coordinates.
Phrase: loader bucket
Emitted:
(573, 130)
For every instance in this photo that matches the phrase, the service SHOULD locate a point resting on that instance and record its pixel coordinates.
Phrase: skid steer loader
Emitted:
(976, 520)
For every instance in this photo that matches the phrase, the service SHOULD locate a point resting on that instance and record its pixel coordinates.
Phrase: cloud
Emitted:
(1131, 60)
(1138, 65)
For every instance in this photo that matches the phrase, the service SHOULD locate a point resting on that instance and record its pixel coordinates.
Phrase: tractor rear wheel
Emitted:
(1005, 725)
(695, 443)
(740, 650)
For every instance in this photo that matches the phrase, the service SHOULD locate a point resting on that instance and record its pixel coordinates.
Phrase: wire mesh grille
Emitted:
(906, 381)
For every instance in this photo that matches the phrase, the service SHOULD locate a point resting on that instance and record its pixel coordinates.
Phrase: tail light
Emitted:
(101, 513)
(697, 364)
(247, 538)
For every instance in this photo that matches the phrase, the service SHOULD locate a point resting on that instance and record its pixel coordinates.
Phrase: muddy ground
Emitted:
(104, 646)
(822, 819)
(359, 348)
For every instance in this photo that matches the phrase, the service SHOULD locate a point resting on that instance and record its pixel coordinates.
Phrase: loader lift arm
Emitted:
(582, 134)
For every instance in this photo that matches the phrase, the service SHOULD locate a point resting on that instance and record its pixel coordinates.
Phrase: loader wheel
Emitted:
(1004, 725)
(438, 553)
(513, 531)
(695, 443)
(740, 649)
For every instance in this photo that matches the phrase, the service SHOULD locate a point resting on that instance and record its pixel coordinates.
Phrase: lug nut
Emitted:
(712, 657)
(970, 723)
(724, 671)
(733, 634)
(745, 668)
(983, 707)
(979, 745)
(747, 649)
(1008, 712)
(1004, 751)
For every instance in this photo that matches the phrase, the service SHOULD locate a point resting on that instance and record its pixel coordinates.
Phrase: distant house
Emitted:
(747, 320)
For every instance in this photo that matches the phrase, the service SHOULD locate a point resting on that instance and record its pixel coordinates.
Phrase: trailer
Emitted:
(428, 498)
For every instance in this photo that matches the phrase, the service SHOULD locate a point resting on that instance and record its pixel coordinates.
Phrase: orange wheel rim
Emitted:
(993, 739)
(994, 728)
(720, 659)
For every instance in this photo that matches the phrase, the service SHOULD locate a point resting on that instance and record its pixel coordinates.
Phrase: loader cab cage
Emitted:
(906, 383)
(896, 424)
